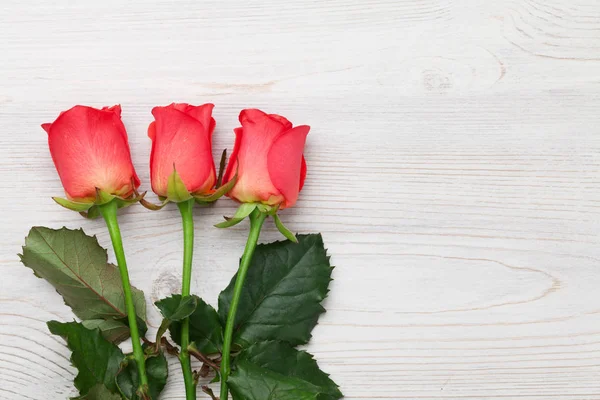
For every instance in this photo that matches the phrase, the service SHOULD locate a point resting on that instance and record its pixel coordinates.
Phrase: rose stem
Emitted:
(186, 208)
(257, 219)
(109, 212)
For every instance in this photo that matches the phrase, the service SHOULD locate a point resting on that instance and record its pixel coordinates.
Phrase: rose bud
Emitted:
(268, 157)
(181, 162)
(91, 154)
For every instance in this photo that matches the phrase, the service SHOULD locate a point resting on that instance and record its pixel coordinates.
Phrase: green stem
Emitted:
(187, 218)
(109, 212)
(257, 219)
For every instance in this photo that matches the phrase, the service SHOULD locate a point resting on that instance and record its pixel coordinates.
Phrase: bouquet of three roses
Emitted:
(271, 304)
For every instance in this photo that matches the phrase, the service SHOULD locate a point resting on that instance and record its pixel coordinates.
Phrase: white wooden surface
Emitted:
(453, 171)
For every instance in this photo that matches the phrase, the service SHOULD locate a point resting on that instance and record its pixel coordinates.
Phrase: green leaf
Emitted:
(115, 330)
(282, 294)
(97, 359)
(205, 329)
(284, 231)
(76, 265)
(275, 370)
(281, 358)
(112, 330)
(156, 370)
(176, 309)
(98, 392)
(251, 383)
(142, 327)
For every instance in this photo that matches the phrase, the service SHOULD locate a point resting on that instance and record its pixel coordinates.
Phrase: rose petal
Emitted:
(90, 150)
(282, 120)
(116, 109)
(180, 140)
(302, 173)
(253, 142)
(285, 163)
(250, 115)
(233, 159)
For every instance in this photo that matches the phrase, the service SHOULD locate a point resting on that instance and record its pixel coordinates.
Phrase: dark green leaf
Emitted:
(282, 358)
(176, 309)
(275, 370)
(99, 392)
(97, 359)
(76, 265)
(249, 382)
(114, 331)
(142, 327)
(205, 329)
(282, 294)
(156, 370)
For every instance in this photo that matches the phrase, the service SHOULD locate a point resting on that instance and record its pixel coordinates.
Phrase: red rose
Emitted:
(90, 150)
(182, 138)
(268, 156)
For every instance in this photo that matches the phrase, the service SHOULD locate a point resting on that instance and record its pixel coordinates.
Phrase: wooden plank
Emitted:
(453, 171)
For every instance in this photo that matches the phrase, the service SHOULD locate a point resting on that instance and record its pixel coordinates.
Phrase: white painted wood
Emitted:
(453, 171)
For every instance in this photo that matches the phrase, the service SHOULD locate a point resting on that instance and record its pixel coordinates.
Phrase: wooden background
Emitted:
(453, 169)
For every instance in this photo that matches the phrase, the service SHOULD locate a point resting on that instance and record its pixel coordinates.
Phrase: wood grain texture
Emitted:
(454, 171)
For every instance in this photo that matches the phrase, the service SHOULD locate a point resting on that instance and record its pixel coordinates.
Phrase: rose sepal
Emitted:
(176, 190)
(90, 209)
(73, 205)
(178, 193)
(245, 209)
(217, 194)
(241, 213)
(220, 190)
(283, 230)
